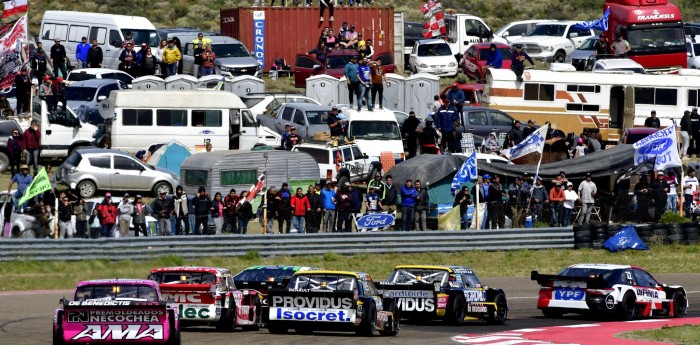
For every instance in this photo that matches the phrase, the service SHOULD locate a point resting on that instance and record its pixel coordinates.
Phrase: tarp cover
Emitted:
(626, 238)
(428, 168)
(615, 160)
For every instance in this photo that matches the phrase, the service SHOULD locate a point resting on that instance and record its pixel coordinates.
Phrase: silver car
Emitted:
(231, 56)
(90, 170)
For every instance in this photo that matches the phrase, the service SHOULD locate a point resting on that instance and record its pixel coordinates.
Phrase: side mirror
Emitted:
(689, 54)
(365, 156)
(573, 35)
(101, 98)
(505, 34)
(317, 67)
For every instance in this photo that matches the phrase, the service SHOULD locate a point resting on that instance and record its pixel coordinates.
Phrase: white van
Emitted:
(375, 132)
(193, 117)
(61, 131)
(108, 29)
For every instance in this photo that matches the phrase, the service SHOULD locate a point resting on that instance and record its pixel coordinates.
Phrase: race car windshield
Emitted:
(145, 293)
(263, 275)
(611, 277)
(323, 283)
(183, 278)
(418, 275)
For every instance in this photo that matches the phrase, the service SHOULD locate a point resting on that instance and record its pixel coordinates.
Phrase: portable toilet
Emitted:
(181, 82)
(211, 81)
(323, 88)
(148, 82)
(343, 92)
(394, 92)
(419, 92)
(245, 84)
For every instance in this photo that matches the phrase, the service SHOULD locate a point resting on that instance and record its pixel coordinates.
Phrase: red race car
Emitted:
(474, 58)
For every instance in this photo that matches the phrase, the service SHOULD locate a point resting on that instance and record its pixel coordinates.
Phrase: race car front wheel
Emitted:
(502, 310)
(679, 304)
(456, 310)
(392, 328)
(228, 323)
(627, 310)
(58, 336)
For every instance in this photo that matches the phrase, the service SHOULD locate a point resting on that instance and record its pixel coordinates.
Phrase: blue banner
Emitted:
(259, 34)
(598, 24)
(626, 238)
(467, 172)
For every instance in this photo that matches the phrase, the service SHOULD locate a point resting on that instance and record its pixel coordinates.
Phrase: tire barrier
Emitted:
(583, 236)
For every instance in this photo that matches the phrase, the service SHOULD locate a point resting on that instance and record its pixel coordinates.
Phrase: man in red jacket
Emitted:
(231, 201)
(108, 215)
(300, 205)
(32, 143)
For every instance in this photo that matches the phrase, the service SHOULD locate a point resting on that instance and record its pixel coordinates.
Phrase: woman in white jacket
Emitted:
(570, 198)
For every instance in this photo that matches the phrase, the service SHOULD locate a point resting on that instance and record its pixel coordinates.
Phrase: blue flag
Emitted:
(465, 173)
(626, 238)
(598, 24)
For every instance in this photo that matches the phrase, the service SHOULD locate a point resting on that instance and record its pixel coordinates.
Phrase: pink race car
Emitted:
(116, 311)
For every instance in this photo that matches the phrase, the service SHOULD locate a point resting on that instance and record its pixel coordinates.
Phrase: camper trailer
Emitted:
(219, 171)
(193, 117)
(609, 101)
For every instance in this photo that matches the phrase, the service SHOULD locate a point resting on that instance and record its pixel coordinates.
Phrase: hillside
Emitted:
(205, 14)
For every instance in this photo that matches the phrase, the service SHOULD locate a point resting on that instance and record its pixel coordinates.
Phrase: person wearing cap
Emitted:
(445, 119)
(95, 55)
(330, 4)
(163, 208)
(108, 215)
(129, 61)
(32, 144)
(529, 129)
(293, 139)
(81, 52)
(408, 131)
(352, 76)
(60, 92)
(517, 64)
(652, 121)
(23, 87)
(456, 96)
(344, 199)
(373, 203)
(570, 198)
(659, 190)
(202, 205)
(601, 47)
(197, 51)
(350, 39)
(586, 192)
(672, 192)
(314, 216)
(556, 198)
(59, 58)
(428, 138)
(335, 125)
(125, 211)
(171, 55)
(378, 184)
(23, 180)
(141, 210)
(45, 93)
(39, 63)
(181, 210)
(495, 207)
(685, 133)
(328, 202)
(408, 204)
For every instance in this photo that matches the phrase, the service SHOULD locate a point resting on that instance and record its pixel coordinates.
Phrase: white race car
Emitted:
(626, 291)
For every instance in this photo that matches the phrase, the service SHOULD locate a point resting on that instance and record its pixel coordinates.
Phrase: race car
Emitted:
(116, 310)
(625, 291)
(331, 301)
(207, 295)
(262, 278)
(451, 293)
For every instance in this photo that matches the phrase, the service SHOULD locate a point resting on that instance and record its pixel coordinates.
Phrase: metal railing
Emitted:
(140, 248)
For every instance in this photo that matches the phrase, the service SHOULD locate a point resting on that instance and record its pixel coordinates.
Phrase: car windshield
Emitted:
(696, 47)
(230, 50)
(506, 53)
(656, 40)
(80, 76)
(437, 49)
(547, 30)
(418, 275)
(140, 37)
(587, 45)
(322, 282)
(251, 101)
(141, 292)
(374, 130)
(318, 117)
(611, 277)
(337, 61)
(80, 93)
(183, 277)
(263, 275)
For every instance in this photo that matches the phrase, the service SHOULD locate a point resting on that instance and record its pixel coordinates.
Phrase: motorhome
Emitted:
(610, 100)
(193, 117)
(108, 29)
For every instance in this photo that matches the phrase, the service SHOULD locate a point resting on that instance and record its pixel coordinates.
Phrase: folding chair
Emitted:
(502, 139)
(467, 143)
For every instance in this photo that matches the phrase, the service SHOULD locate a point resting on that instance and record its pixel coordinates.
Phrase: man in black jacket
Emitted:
(408, 130)
(94, 58)
(390, 196)
(313, 218)
(23, 87)
(422, 202)
(163, 208)
(496, 214)
(284, 210)
(58, 57)
(201, 204)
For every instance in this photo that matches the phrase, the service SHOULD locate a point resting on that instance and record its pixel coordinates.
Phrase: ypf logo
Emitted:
(569, 294)
(657, 146)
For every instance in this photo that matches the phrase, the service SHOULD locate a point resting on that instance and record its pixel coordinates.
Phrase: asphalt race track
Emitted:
(26, 318)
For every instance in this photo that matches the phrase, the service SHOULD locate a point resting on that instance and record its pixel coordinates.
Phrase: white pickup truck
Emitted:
(61, 131)
(553, 41)
(343, 162)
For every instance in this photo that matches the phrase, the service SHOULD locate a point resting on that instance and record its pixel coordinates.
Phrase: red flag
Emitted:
(254, 189)
(11, 44)
(435, 25)
(14, 7)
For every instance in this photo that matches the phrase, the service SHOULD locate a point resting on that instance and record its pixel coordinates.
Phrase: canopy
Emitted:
(170, 156)
(434, 171)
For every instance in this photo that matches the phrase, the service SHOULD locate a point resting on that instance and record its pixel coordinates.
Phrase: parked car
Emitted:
(265, 103)
(693, 49)
(475, 58)
(90, 170)
(412, 32)
(307, 118)
(98, 73)
(433, 56)
(553, 41)
(583, 55)
(481, 121)
(629, 65)
(345, 163)
(307, 66)
(515, 30)
(83, 97)
(6, 128)
(169, 33)
(231, 56)
(473, 92)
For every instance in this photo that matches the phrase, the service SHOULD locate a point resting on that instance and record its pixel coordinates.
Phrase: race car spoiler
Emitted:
(113, 304)
(385, 288)
(595, 281)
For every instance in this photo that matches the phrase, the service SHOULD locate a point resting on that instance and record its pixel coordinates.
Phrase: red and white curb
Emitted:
(582, 334)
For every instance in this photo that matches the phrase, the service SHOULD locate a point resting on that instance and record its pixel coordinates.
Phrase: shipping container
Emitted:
(272, 33)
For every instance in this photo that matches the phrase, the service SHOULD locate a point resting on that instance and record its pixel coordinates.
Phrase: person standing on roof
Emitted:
(330, 4)
(601, 47)
(378, 80)
(171, 56)
(515, 135)
(445, 119)
(365, 85)
(620, 47)
(94, 58)
(81, 53)
(518, 61)
(685, 133)
(293, 139)
(456, 96)
(427, 138)
(59, 58)
(652, 121)
(353, 80)
(335, 124)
